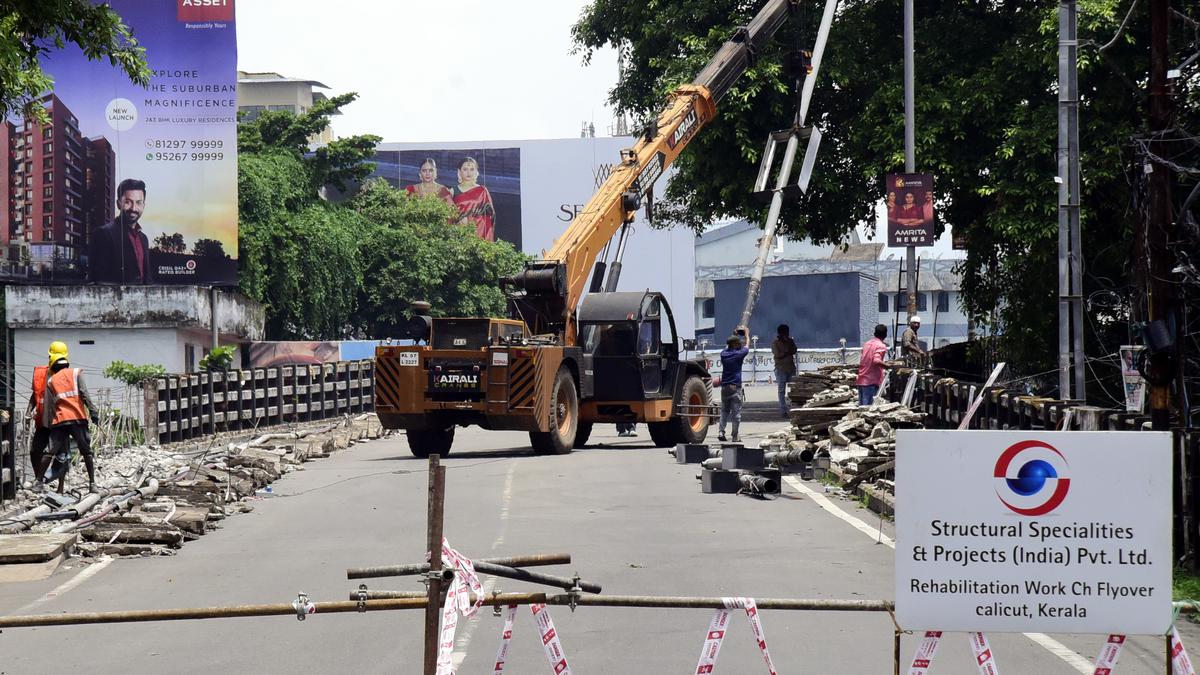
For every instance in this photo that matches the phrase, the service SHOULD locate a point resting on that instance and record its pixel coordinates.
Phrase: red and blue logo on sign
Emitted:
(1032, 478)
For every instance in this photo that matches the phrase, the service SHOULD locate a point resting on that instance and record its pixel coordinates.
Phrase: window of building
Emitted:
(282, 108)
(47, 207)
(28, 209)
(902, 302)
(48, 176)
(708, 309)
(189, 357)
(48, 148)
(943, 303)
(48, 132)
(48, 191)
(883, 303)
(922, 302)
(47, 163)
(47, 221)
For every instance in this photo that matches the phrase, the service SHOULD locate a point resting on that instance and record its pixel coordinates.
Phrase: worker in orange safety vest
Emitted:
(66, 409)
(33, 413)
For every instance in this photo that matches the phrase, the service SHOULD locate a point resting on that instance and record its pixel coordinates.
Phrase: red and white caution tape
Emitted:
(1107, 659)
(550, 641)
(983, 655)
(1180, 663)
(925, 652)
(505, 640)
(458, 600)
(718, 627)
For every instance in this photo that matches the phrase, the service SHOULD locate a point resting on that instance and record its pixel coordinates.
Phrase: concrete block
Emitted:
(716, 481)
(741, 457)
(688, 453)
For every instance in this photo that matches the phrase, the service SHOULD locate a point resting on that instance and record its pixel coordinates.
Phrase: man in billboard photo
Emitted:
(429, 185)
(119, 252)
(473, 200)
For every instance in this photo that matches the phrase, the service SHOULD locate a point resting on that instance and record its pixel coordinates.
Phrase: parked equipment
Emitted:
(559, 364)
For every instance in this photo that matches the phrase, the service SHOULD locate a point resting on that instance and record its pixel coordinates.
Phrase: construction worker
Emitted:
(33, 413)
(783, 349)
(910, 348)
(66, 408)
(731, 385)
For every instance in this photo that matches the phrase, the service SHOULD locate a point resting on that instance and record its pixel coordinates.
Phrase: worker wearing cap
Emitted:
(910, 348)
(66, 408)
(33, 412)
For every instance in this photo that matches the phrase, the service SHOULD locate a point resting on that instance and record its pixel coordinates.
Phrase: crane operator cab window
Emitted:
(652, 347)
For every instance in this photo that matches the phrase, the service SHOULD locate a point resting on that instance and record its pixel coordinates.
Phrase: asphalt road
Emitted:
(634, 521)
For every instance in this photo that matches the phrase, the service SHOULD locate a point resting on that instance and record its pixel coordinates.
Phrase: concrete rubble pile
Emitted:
(151, 500)
(859, 442)
(806, 385)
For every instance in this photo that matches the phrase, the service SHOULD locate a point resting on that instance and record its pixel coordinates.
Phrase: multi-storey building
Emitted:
(58, 184)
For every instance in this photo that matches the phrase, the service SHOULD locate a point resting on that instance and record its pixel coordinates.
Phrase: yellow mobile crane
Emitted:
(558, 366)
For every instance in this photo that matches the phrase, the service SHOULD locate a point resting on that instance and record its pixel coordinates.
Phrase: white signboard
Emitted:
(1013, 531)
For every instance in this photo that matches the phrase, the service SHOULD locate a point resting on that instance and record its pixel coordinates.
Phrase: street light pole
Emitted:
(910, 144)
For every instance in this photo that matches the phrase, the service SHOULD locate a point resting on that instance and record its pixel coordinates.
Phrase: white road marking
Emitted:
(1051, 645)
(87, 573)
(464, 636)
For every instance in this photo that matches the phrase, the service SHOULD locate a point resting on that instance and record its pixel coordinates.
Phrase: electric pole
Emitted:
(1071, 358)
(1158, 221)
(910, 144)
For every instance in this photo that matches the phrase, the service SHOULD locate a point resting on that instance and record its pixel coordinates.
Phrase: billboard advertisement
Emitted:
(482, 184)
(128, 184)
(910, 211)
(538, 188)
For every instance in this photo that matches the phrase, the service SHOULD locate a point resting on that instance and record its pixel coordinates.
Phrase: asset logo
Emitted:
(1032, 478)
(204, 10)
(190, 265)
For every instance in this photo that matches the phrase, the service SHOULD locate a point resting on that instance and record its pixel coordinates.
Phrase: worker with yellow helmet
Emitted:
(33, 412)
(66, 409)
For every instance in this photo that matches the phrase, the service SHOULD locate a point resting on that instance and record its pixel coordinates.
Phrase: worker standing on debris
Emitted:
(784, 351)
(910, 348)
(731, 385)
(33, 414)
(871, 365)
(66, 408)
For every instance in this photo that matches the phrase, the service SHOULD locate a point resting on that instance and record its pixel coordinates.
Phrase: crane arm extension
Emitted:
(690, 108)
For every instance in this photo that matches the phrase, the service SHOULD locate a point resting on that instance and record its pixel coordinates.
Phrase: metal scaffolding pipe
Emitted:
(534, 577)
(421, 568)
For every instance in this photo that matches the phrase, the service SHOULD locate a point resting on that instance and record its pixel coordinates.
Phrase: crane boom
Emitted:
(549, 290)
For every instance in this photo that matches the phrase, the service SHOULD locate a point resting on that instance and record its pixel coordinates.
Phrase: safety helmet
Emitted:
(914, 319)
(58, 352)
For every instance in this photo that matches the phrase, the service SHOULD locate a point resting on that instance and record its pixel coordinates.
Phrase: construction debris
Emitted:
(151, 500)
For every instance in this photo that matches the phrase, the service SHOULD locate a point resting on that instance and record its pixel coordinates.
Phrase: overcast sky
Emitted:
(436, 71)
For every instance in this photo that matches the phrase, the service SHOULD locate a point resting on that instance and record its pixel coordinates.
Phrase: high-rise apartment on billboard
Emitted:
(128, 184)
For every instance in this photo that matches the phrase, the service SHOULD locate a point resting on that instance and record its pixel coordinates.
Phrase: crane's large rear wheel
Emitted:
(564, 417)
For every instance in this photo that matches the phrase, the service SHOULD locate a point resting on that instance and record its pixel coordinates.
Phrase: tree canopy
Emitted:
(330, 270)
(986, 115)
(29, 29)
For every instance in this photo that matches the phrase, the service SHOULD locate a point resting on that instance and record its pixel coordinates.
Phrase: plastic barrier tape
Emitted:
(983, 655)
(505, 640)
(716, 635)
(925, 652)
(458, 599)
(1180, 663)
(550, 641)
(1106, 660)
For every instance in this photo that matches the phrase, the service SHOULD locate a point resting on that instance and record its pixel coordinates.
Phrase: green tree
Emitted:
(170, 243)
(985, 124)
(32, 29)
(209, 248)
(411, 253)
